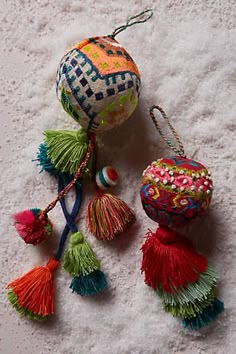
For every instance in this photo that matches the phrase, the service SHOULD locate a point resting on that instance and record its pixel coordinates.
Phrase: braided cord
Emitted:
(133, 21)
(70, 217)
(78, 174)
(178, 150)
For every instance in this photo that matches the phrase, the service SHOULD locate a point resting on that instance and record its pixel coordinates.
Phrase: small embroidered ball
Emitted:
(175, 190)
(98, 84)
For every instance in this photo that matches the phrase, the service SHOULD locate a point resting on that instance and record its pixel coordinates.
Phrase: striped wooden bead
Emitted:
(106, 177)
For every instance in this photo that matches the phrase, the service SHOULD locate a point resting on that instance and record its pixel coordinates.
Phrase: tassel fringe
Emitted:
(45, 162)
(14, 302)
(208, 315)
(199, 290)
(108, 216)
(66, 149)
(170, 261)
(189, 310)
(90, 284)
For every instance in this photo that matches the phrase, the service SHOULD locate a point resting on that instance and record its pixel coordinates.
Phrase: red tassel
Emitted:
(32, 225)
(170, 261)
(34, 290)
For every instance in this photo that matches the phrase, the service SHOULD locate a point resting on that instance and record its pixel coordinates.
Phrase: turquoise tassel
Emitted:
(206, 316)
(45, 162)
(90, 284)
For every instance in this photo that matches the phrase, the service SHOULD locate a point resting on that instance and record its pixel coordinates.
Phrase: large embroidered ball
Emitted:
(175, 190)
(98, 83)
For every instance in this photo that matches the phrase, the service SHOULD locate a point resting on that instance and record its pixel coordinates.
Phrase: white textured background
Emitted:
(186, 55)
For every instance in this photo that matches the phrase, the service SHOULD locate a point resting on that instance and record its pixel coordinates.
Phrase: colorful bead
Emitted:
(106, 177)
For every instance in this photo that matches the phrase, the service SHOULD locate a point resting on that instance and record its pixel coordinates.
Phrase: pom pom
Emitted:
(98, 84)
(108, 216)
(79, 258)
(32, 294)
(33, 225)
(106, 177)
(170, 261)
(175, 190)
(66, 149)
(208, 315)
(90, 284)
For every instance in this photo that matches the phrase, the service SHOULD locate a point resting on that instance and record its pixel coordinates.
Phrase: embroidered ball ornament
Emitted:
(98, 84)
(175, 190)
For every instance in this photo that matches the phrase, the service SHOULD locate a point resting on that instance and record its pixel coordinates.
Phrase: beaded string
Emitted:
(131, 21)
(78, 174)
(180, 149)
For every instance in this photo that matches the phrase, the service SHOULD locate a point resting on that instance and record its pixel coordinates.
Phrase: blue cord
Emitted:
(70, 217)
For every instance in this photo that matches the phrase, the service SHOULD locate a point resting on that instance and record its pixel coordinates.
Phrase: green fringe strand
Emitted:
(66, 149)
(23, 312)
(190, 309)
(199, 290)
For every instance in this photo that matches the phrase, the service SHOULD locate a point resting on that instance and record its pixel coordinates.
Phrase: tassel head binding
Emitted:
(108, 216)
(33, 225)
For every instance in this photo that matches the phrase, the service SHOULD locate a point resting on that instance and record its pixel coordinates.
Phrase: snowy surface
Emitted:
(186, 55)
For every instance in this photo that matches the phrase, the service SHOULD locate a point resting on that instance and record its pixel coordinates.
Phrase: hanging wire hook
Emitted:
(131, 21)
(180, 149)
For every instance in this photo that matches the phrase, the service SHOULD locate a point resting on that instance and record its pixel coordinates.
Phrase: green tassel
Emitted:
(66, 149)
(199, 290)
(190, 309)
(12, 298)
(79, 258)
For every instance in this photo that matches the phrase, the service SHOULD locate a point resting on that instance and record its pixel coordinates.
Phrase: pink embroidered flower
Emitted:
(183, 181)
(158, 174)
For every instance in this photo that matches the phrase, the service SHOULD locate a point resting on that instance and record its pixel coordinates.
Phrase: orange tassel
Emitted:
(34, 290)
